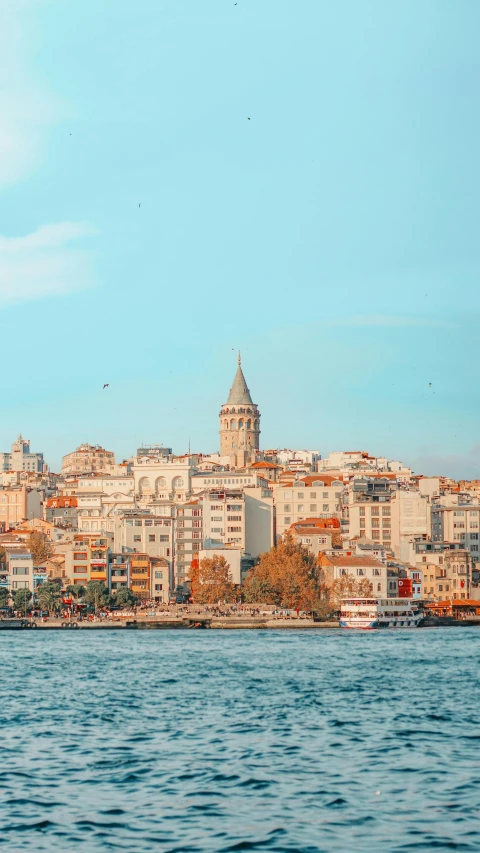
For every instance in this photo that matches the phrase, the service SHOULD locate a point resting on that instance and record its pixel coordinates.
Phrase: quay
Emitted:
(186, 622)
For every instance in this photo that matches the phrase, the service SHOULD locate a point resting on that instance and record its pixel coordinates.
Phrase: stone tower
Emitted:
(239, 423)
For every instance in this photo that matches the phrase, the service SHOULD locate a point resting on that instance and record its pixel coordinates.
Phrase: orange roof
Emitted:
(264, 465)
(319, 523)
(311, 531)
(355, 561)
(455, 602)
(62, 501)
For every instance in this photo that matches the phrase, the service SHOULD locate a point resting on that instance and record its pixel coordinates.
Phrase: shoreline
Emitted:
(199, 623)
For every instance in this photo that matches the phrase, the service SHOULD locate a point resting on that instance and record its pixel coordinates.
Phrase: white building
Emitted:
(20, 458)
(315, 496)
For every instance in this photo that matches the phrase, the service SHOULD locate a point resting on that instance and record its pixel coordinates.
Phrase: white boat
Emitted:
(369, 613)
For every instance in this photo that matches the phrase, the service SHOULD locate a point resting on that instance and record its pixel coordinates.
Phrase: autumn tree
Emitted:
(39, 547)
(286, 576)
(211, 580)
(349, 587)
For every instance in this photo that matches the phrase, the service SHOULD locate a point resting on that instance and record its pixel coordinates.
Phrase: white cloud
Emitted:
(385, 320)
(43, 263)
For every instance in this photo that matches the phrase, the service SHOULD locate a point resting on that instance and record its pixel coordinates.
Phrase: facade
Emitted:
(456, 518)
(17, 504)
(239, 423)
(360, 568)
(86, 558)
(20, 570)
(188, 538)
(369, 510)
(62, 511)
(410, 516)
(88, 458)
(317, 496)
(21, 459)
(162, 479)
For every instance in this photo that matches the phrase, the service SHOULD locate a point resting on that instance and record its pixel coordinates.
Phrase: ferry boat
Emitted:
(369, 613)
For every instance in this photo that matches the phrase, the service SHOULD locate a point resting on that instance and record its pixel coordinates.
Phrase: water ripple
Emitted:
(237, 741)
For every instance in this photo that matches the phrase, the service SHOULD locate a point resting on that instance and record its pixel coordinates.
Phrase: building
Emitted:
(88, 458)
(360, 568)
(62, 511)
(456, 518)
(17, 504)
(150, 577)
(369, 509)
(188, 538)
(162, 479)
(314, 496)
(86, 558)
(410, 517)
(315, 533)
(239, 562)
(21, 459)
(239, 423)
(20, 570)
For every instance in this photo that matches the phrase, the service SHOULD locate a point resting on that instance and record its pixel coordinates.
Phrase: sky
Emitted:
(298, 181)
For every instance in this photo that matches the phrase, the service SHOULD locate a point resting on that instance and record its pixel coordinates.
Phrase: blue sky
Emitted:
(333, 237)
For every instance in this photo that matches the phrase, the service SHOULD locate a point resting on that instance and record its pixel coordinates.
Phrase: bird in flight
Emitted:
(429, 384)
(107, 385)
(140, 204)
(248, 118)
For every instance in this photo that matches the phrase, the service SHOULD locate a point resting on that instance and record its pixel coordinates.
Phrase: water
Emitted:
(240, 740)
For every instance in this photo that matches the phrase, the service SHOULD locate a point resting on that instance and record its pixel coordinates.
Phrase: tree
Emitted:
(3, 558)
(96, 593)
(49, 596)
(39, 547)
(75, 590)
(211, 580)
(4, 596)
(22, 599)
(286, 576)
(124, 597)
(349, 587)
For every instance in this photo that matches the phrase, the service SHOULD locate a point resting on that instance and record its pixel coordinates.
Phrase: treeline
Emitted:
(287, 576)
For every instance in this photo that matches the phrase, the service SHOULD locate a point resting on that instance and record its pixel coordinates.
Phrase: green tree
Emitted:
(49, 596)
(97, 594)
(75, 590)
(22, 599)
(4, 596)
(124, 597)
(287, 576)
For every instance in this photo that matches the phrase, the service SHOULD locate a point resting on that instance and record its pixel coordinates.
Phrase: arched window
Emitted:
(249, 424)
(240, 423)
(233, 424)
(177, 483)
(144, 486)
(255, 424)
(225, 424)
(161, 483)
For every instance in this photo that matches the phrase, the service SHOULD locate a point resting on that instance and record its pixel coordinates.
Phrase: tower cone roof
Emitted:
(239, 393)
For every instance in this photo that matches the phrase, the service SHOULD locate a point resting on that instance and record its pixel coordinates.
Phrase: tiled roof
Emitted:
(355, 561)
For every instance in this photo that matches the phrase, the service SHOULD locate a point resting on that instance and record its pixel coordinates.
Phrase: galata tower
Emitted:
(239, 423)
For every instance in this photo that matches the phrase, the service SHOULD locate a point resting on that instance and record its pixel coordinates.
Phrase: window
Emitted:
(233, 518)
(286, 508)
(151, 537)
(217, 518)
(234, 529)
(79, 555)
(360, 572)
(80, 570)
(159, 575)
(300, 508)
(375, 510)
(361, 511)
(158, 587)
(474, 547)
(325, 508)
(313, 495)
(20, 570)
(163, 538)
(313, 507)
(300, 495)
(137, 538)
(386, 510)
(287, 520)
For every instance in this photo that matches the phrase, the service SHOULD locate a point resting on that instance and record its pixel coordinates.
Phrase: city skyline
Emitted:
(166, 203)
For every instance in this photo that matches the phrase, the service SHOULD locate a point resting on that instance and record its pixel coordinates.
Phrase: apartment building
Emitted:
(163, 478)
(17, 504)
(188, 537)
(446, 569)
(86, 557)
(360, 568)
(456, 518)
(410, 516)
(88, 458)
(369, 510)
(21, 458)
(312, 496)
(61, 511)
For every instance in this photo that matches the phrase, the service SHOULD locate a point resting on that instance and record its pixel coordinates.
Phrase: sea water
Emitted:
(321, 740)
